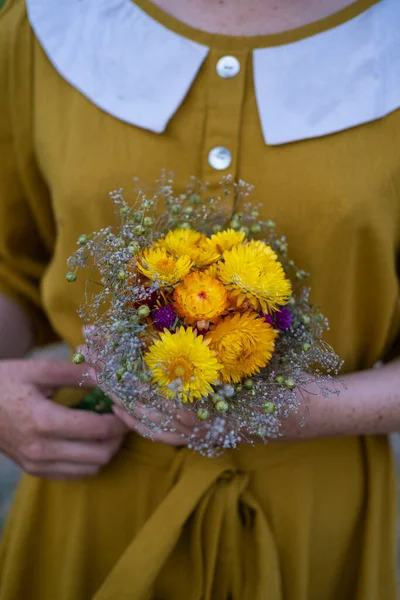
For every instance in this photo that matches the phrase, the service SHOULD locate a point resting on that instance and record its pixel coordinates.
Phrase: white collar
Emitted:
(137, 70)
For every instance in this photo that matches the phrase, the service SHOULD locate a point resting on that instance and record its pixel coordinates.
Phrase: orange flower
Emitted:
(243, 343)
(200, 298)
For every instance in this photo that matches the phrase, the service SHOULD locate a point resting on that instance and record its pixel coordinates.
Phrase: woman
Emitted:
(301, 100)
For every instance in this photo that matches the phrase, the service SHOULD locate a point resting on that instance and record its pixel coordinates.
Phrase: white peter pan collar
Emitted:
(137, 70)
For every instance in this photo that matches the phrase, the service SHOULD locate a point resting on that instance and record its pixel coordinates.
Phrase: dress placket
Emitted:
(226, 88)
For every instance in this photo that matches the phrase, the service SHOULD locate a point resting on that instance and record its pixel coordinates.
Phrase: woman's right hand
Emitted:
(45, 438)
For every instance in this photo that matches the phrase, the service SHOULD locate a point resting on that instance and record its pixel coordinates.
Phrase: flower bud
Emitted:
(306, 319)
(139, 230)
(254, 213)
(195, 199)
(216, 398)
(279, 379)
(145, 377)
(175, 209)
(137, 216)
(244, 229)
(290, 384)
(269, 408)
(270, 224)
(248, 384)
(306, 347)
(188, 210)
(184, 225)
(78, 358)
(222, 406)
(203, 414)
(133, 249)
(122, 275)
(256, 228)
(143, 311)
(148, 221)
(83, 239)
(71, 277)
(119, 374)
(217, 228)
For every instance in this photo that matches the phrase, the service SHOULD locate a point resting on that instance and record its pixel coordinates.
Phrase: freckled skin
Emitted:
(250, 17)
(46, 439)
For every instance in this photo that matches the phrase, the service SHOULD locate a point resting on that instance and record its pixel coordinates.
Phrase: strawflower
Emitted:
(200, 297)
(243, 343)
(183, 365)
(226, 240)
(188, 242)
(252, 272)
(158, 265)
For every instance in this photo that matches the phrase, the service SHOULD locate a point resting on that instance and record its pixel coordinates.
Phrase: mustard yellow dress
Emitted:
(301, 521)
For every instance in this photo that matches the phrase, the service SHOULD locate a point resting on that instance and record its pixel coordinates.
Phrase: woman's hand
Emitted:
(44, 438)
(181, 426)
(181, 423)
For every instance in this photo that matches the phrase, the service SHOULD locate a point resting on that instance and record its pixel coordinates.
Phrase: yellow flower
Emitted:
(188, 242)
(158, 265)
(212, 271)
(252, 272)
(177, 239)
(244, 344)
(226, 240)
(200, 298)
(263, 248)
(183, 365)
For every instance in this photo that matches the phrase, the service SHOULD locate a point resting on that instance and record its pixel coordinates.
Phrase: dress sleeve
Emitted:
(26, 222)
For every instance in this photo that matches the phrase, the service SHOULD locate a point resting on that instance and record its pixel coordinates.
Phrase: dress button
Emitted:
(220, 158)
(228, 66)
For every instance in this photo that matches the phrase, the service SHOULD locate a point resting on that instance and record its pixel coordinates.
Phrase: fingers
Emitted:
(88, 453)
(62, 470)
(49, 373)
(56, 421)
(173, 438)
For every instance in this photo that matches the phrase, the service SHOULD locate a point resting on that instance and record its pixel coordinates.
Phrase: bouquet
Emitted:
(191, 310)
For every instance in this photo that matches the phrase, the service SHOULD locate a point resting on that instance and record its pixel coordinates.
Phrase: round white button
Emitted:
(220, 158)
(228, 66)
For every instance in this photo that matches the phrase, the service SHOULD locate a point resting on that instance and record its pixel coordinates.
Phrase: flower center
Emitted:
(202, 295)
(165, 265)
(235, 347)
(181, 369)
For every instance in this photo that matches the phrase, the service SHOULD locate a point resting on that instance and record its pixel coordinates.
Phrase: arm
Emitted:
(369, 404)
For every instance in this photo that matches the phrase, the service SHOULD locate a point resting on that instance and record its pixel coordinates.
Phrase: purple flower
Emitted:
(268, 319)
(281, 319)
(164, 317)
